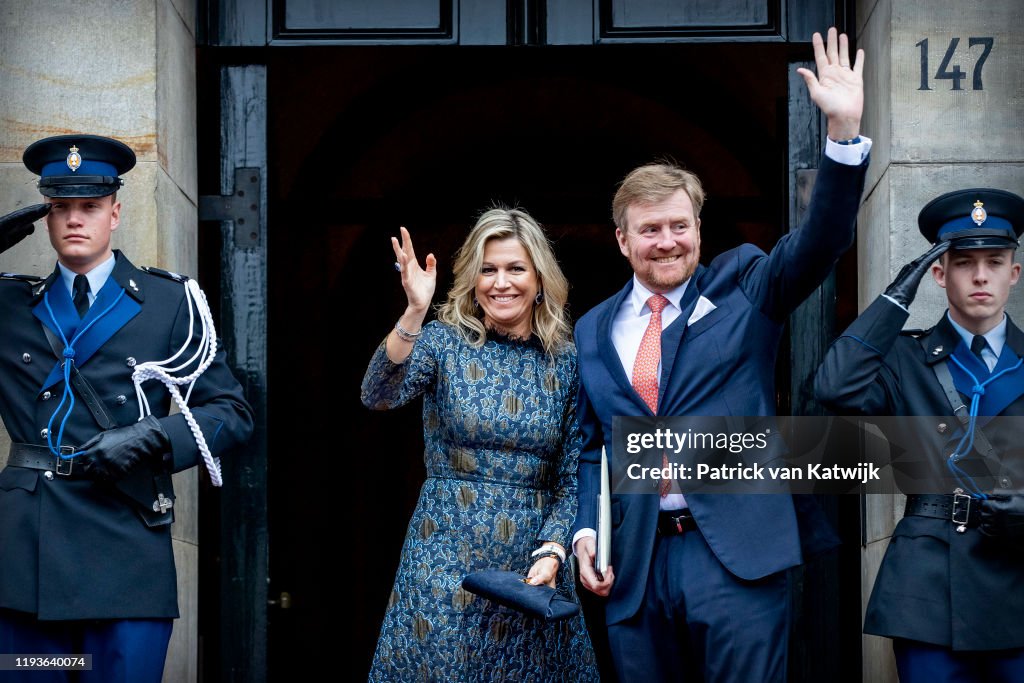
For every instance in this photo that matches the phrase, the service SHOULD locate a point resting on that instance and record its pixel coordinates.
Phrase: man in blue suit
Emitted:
(697, 587)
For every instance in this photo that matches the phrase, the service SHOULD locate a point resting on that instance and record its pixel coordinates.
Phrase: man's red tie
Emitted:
(645, 369)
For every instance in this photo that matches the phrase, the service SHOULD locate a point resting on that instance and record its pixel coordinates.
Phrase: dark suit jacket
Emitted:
(935, 585)
(77, 549)
(723, 364)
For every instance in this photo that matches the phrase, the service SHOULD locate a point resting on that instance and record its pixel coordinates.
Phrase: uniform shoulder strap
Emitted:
(160, 272)
(915, 333)
(31, 279)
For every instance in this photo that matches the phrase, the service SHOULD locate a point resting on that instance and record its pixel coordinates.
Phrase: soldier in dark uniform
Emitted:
(85, 497)
(950, 591)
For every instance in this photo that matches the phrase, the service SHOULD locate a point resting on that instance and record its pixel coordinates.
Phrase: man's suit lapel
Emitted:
(672, 336)
(606, 349)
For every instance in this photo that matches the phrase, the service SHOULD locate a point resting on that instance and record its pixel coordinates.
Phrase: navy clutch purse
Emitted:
(508, 589)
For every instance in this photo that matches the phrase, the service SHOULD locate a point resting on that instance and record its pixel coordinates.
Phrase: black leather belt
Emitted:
(40, 458)
(958, 508)
(675, 522)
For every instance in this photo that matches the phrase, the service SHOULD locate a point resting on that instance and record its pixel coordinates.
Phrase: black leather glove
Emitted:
(1002, 514)
(112, 454)
(17, 225)
(904, 288)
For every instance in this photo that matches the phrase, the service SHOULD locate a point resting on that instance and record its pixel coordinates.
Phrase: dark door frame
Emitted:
(250, 25)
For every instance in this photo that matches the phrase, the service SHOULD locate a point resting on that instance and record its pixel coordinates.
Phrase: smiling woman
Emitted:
(508, 281)
(507, 288)
(497, 372)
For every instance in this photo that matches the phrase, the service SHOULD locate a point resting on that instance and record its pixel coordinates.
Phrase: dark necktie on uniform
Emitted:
(978, 345)
(81, 295)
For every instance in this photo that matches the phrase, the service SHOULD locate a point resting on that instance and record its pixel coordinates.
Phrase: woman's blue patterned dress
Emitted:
(501, 454)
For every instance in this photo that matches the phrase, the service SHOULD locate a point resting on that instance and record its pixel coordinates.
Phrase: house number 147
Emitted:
(955, 73)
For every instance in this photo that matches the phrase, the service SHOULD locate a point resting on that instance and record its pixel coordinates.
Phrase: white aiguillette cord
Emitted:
(162, 371)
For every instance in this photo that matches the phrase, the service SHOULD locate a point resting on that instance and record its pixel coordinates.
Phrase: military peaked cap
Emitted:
(977, 218)
(79, 165)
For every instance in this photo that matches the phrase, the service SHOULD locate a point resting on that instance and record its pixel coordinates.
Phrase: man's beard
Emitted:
(667, 281)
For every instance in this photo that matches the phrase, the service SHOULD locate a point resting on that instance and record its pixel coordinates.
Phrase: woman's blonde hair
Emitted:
(550, 319)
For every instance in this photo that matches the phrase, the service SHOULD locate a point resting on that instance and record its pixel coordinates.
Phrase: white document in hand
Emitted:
(604, 518)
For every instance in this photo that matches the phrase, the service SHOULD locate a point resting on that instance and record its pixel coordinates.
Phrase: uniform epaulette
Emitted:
(916, 334)
(31, 279)
(165, 273)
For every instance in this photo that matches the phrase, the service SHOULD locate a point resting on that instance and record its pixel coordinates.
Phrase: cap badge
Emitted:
(979, 215)
(74, 159)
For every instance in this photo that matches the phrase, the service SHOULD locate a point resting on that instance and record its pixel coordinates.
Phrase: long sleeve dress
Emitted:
(502, 444)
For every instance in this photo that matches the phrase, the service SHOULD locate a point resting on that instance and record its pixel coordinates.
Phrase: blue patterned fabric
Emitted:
(501, 439)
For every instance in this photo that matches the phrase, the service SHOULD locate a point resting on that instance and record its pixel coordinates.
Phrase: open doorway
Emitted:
(364, 139)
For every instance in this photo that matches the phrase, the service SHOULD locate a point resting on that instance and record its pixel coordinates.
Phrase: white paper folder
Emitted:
(604, 519)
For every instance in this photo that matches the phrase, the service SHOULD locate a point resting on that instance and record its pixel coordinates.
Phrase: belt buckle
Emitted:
(65, 450)
(961, 504)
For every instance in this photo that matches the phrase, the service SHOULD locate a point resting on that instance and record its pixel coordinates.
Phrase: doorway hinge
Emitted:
(241, 207)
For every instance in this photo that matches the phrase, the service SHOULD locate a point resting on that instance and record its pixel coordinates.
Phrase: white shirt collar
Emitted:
(640, 294)
(97, 276)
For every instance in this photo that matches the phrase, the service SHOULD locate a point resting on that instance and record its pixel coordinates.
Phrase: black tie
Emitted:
(978, 345)
(81, 298)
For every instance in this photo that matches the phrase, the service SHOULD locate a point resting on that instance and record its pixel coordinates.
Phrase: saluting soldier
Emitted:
(85, 498)
(950, 591)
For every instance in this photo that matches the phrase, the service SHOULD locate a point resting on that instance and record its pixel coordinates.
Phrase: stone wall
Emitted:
(125, 69)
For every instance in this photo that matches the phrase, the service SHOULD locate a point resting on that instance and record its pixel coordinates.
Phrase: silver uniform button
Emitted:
(942, 428)
(49, 475)
(937, 350)
(47, 395)
(121, 399)
(130, 362)
(26, 358)
(44, 432)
